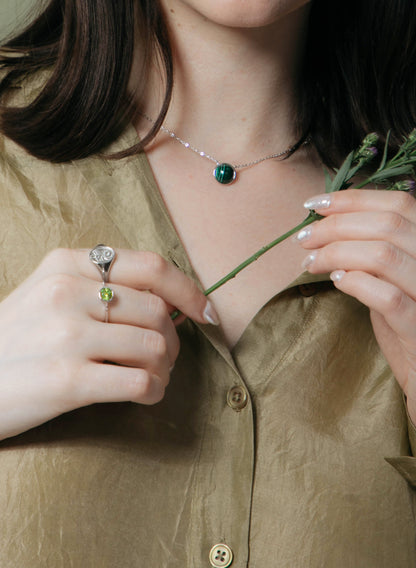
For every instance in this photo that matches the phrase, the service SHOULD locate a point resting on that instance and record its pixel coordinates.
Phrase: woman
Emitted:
(268, 448)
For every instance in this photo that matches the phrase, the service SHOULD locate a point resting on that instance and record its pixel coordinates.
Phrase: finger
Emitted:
(377, 258)
(394, 305)
(129, 346)
(133, 307)
(141, 271)
(74, 299)
(112, 383)
(353, 200)
(384, 226)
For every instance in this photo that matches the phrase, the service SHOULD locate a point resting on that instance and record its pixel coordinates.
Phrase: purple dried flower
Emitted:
(365, 154)
(411, 184)
(404, 185)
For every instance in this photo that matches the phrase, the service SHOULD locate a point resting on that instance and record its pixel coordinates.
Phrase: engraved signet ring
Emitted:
(102, 256)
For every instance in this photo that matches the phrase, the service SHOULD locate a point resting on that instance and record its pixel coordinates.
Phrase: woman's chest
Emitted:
(222, 226)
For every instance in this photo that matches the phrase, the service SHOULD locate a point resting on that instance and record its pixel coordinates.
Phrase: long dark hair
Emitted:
(358, 74)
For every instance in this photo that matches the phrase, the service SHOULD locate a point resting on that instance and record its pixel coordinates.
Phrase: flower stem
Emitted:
(313, 216)
(309, 219)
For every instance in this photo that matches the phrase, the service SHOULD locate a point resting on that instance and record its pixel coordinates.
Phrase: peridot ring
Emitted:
(102, 256)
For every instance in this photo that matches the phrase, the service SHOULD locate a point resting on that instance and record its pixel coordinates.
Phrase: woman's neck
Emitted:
(233, 87)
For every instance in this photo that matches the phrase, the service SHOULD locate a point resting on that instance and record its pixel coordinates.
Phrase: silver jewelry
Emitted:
(224, 172)
(102, 256)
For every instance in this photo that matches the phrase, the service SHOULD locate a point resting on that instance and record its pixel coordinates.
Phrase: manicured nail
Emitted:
(318, 202)
(337, 275)
(303, 235)
(211, 315)
(309, 260)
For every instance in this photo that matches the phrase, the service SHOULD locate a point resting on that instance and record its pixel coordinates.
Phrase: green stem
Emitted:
(309, 219)
(313, 216)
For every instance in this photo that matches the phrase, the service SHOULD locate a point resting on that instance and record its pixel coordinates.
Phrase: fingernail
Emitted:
(309, 260)
(211, 315)
(337, 275)
(318, 202)
(303, 235)
(171, 368)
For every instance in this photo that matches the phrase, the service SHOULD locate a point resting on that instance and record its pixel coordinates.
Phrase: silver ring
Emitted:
(106, 295)
(102, 256)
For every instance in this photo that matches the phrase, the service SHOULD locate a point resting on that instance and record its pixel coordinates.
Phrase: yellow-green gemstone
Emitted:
(225, 173)
(106, 294)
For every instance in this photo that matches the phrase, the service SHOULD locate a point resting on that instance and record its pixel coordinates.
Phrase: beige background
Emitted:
(12, 13)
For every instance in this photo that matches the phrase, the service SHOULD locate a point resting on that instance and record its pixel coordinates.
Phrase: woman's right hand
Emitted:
(55, 346)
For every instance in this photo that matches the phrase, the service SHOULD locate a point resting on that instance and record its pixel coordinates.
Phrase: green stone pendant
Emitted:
(106, 294)
(225, 173)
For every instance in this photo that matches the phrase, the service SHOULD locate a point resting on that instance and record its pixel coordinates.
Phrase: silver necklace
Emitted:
(224, 172)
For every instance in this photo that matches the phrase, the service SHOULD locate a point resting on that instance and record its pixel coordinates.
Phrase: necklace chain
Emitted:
(236, 167)
(228, 174)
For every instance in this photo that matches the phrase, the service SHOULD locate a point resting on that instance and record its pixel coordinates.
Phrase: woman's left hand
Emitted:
(367, 242)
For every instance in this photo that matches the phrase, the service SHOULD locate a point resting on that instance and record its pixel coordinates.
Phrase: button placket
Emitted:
(228, 438)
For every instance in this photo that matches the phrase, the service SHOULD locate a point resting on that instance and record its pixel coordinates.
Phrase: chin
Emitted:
(243, 13)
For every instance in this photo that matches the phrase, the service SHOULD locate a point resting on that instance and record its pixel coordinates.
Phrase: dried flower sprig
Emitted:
(391, 171)
(389, 174)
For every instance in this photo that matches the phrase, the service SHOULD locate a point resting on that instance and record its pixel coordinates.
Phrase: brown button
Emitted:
(308, 289)
(237, 398)
(221, 555)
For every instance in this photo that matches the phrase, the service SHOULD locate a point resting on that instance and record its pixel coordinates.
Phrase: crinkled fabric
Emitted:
(297, 478)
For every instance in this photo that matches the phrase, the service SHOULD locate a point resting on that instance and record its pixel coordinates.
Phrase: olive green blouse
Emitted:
(272, 455)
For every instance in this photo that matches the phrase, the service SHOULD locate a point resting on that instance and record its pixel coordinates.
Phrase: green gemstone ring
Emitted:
(106, 294)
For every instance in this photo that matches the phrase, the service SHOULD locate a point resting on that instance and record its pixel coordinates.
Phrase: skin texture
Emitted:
(367, 241)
